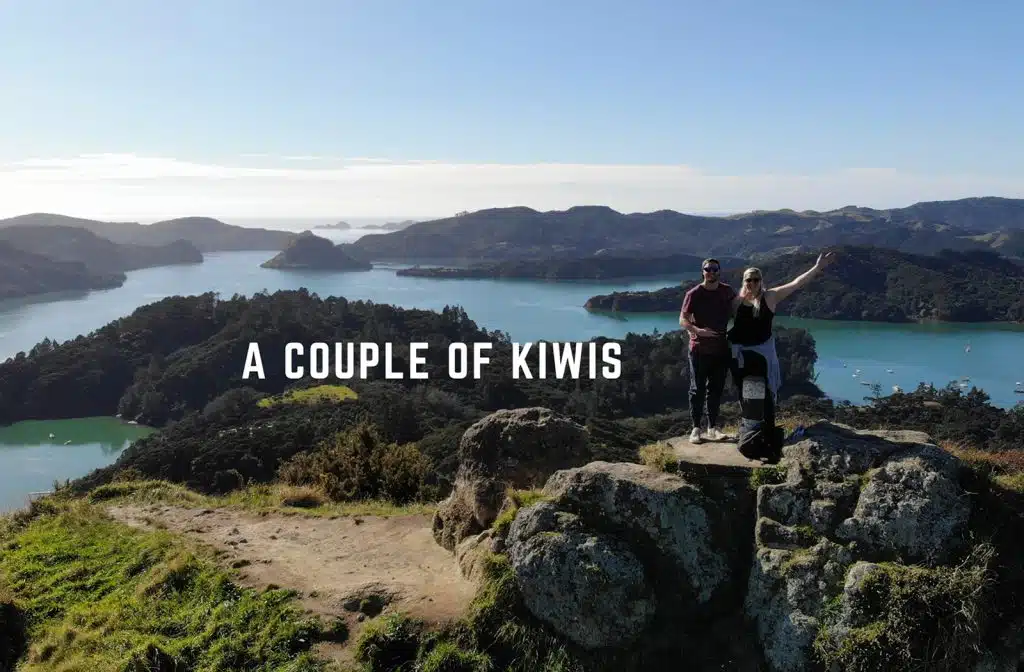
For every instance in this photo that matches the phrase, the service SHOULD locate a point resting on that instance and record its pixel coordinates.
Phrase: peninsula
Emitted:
(872, 284)
(26, 274)
(600, 266)
(72, 243)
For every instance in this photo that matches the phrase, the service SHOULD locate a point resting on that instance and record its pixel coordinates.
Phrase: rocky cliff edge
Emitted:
(862, 550)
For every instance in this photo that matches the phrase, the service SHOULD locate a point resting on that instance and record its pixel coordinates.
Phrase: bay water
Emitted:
(851, 355)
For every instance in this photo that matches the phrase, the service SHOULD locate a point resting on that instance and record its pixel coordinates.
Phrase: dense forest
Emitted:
(172, 357)
(178, 364)
(596, 267)
(875, 284)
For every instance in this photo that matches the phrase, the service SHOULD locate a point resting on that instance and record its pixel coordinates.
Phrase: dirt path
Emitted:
(333, 564)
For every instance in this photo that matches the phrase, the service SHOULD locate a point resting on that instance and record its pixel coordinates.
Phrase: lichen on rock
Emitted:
(510, 448)
(851, 499)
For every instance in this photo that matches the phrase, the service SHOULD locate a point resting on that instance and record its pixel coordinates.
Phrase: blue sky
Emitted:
(926, 97)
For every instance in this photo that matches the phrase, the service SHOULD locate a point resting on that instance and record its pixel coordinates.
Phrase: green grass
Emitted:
(519, 499)
(98, 595)
(496, 633)
(770, 475)
(913, 618)
(266, 498)
(311, 395)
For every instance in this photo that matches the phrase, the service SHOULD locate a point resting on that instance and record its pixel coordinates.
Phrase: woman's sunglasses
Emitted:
(751, 281)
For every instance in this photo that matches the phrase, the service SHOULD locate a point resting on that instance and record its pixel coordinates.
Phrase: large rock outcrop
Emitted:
(857, 555)
(614, 546)
(849, 498)
(516, 448)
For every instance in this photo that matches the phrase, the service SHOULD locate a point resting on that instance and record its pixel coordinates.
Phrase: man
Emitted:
(705, 315)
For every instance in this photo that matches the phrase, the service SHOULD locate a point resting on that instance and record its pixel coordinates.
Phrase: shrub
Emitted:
(358, 465)
(911, 618)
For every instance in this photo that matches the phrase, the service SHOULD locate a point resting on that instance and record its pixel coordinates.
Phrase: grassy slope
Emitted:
(94, 594)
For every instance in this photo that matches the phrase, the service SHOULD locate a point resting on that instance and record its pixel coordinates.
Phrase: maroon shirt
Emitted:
(710, 309)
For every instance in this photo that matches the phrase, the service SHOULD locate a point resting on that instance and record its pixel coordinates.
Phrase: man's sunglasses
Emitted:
(711, 269)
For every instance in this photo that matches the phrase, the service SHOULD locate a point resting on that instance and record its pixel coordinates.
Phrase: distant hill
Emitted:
(207, 234)
(309, 251)
(68, 243)
(523, 233)
(875, 284)
(25, 273)
(596, 267)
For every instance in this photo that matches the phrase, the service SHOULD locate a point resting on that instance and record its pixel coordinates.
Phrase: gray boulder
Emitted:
(650, 509)
(589, 587)
(911, 508)
(517, 448)
(615, 547)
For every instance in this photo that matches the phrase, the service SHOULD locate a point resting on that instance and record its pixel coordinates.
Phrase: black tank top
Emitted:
(750, 330)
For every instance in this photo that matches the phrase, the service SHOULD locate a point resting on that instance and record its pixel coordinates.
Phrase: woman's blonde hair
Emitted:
(755, 272)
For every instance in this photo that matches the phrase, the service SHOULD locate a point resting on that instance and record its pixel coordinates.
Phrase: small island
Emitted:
(340, 226)
(311, 252)
(600, 266)
(871, 284)
(391, 226)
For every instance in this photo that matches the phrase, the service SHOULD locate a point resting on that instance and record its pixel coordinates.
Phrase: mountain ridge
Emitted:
(206, 233)
(519, 232)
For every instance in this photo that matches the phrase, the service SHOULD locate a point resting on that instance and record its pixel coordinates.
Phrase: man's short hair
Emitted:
(710, 261)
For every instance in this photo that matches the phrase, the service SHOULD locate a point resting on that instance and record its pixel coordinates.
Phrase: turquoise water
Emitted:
(33, 454)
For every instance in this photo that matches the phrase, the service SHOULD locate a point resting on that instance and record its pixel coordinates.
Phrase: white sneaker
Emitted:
(695, 435)
(714, 435)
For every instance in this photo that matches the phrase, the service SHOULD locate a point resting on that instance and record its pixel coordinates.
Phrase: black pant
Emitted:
(766, 442)
(707, 380)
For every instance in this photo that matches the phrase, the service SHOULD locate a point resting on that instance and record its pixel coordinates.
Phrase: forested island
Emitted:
(872, 284)
(597, 267)
(310, 251)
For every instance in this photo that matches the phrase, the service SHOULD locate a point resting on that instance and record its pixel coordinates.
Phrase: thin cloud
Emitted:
(133, 186)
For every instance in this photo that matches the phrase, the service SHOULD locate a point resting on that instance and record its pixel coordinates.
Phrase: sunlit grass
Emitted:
(98, 595)
(269, 498)
(311, 395)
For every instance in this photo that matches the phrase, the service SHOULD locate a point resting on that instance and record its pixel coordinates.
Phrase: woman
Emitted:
(753, 312)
